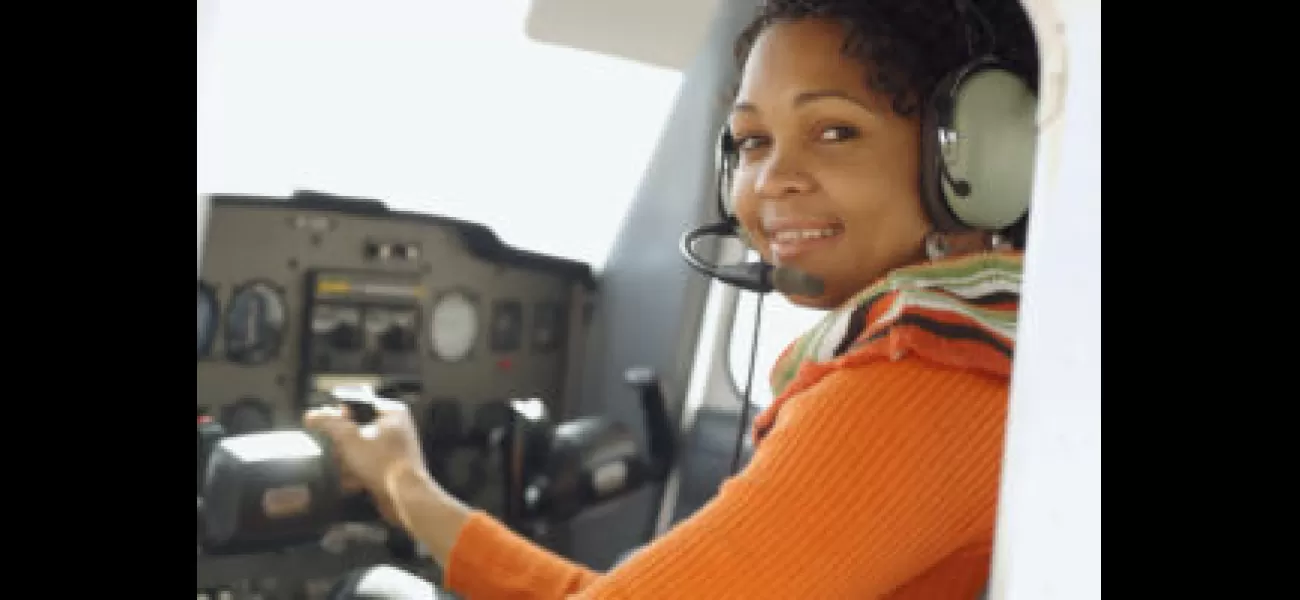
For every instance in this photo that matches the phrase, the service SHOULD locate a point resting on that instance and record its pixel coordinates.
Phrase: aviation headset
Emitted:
(978, 138)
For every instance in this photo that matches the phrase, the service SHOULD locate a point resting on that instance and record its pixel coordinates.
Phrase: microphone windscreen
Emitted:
(797, 283)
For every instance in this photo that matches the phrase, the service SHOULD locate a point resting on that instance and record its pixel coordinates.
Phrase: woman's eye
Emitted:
(749, 142)
(839, 133)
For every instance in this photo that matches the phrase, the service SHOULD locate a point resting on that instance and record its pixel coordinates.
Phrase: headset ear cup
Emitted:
(935, 114)
(726, 169)
(995, 114)
(726, 165)
(991, 111)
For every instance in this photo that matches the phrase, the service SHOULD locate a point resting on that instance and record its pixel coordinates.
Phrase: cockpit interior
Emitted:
(589, 401)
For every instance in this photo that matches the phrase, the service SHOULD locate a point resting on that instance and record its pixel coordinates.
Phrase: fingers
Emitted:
(332, 421)
(317, 417)
(389, 414)
(382, 406)
(337, 422)
(385, 406)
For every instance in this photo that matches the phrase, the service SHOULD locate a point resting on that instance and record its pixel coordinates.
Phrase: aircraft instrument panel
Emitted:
(299, 294)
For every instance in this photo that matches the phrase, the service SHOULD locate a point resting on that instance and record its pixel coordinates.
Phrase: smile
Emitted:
(789, 243)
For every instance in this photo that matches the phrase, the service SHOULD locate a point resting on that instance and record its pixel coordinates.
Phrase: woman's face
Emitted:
(826, 180)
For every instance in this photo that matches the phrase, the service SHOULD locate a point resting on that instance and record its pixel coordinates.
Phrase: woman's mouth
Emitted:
(789, 242)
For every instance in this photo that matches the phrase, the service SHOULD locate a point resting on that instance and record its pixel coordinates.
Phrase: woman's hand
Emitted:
(370, 455)
(384, 458)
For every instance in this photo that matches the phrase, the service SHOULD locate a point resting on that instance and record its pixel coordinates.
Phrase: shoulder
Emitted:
(910, 388)
(910, 407)
(863, 387)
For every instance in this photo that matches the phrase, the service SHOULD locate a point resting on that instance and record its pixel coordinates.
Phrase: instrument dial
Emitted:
(255, 324)
(397, 332)
(507, 325)
(248, 415)
(453, 326)
(207, 318)
(548, 326)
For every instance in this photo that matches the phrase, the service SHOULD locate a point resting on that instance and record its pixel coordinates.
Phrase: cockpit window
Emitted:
(435, 106)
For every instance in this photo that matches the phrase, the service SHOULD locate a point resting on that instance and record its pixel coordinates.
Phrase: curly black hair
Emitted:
(909, 45)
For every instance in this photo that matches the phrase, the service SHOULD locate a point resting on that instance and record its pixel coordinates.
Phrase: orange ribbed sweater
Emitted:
(879, 480)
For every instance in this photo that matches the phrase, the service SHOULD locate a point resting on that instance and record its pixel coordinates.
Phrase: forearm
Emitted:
(490, 560)
(430, 515)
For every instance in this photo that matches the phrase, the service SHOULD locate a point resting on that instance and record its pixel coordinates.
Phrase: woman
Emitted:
(876, 470)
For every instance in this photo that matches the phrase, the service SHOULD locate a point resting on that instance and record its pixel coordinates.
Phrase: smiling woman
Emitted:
(435, 106)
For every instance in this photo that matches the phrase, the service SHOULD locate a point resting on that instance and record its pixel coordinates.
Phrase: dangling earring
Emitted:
(936, 245)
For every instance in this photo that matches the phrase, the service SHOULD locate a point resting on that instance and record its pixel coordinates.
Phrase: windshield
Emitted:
(437, 106)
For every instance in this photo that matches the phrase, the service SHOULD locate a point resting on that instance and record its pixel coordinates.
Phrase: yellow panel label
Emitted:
(333, 286)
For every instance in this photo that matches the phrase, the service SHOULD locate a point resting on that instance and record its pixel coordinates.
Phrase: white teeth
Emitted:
(791, 235)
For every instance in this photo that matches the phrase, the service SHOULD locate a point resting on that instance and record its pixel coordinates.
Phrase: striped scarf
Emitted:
(959, 312)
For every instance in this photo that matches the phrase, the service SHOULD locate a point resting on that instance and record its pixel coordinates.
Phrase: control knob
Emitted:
(345, 336)
(397, 338)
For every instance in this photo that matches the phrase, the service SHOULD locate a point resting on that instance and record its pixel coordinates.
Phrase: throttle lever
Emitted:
(659, 431)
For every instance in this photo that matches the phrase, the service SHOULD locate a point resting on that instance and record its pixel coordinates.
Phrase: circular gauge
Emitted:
(453, 326)
(248, 415)
(207, 318)
(255, 324)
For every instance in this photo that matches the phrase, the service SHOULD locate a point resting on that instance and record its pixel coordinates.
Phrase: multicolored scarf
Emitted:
(959, 312)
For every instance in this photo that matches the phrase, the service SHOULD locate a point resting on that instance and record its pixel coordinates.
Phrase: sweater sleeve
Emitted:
(867, 479)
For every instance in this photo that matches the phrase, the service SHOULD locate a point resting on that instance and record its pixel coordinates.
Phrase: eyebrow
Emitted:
(805, 98)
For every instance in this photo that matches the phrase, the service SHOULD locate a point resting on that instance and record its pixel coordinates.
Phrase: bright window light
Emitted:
(436, 106)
